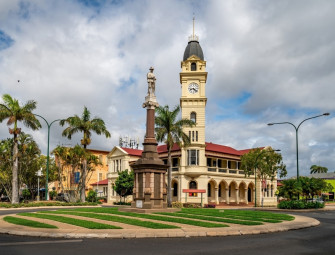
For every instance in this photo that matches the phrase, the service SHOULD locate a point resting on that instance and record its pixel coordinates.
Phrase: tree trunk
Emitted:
(83, 185)
(15, 182)
(169, 198)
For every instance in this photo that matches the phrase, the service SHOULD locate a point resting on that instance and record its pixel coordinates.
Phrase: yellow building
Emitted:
(70, 177)
(201, 166)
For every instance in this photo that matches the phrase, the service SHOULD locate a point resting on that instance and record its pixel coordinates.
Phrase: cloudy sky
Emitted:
(267, 61)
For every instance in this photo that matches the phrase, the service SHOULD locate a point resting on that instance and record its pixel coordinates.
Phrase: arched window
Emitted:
(193, 66)
(193, 116)
(175, 189)
(193, 185)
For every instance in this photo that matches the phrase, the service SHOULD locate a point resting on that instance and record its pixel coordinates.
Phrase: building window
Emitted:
(76, 177)
(100, 177)
(192, 185)
(101, 159)
(192, 157)
(196, 135)
(193, 117)
(175, 162)
(229, 164)
(193, 66)
(192, 136)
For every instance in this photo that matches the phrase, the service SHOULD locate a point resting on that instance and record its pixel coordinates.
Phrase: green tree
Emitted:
(291, 188)
(85, 125)
(11, 109)
(170, 131)
(124, 184)
(318, 169)
(6, 165)
(265, 163)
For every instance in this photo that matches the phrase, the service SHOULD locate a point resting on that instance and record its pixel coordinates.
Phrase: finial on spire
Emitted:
(193, 37)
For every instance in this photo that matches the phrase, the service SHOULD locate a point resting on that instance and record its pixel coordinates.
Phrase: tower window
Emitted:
(196, 135)
(193, 117)
(192, 157)
(193, 66)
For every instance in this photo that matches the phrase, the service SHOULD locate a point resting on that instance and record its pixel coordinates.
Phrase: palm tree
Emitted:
(85, 125)
(170, 131)
(14, 112)
(318, 169)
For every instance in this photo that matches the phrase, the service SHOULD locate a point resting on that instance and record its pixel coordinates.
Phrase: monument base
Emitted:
(141, 210)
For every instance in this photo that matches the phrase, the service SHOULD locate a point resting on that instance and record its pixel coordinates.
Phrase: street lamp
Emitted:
(39, 174)
(47, 172)
(262, 152)
(296, 135)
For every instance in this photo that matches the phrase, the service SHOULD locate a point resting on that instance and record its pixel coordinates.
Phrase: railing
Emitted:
(175, 169)
(241, 172)
(210, 169)
(221, 170)
(232, 171)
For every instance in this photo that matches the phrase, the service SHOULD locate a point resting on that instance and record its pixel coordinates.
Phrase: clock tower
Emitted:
(193, 77)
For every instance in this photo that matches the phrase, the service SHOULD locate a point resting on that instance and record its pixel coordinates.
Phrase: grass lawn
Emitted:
(151, 217)
(71, 221)
(201, 217)
(135, 222)
(28, 223)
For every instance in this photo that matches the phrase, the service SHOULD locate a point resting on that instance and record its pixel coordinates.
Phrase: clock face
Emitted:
(193, 88)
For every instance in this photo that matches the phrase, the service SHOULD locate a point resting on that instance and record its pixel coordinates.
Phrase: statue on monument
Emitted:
(151, 78)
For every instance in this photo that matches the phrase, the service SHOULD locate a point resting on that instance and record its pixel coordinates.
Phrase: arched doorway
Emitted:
(242, 192)
(251, 193)
(211, 196)
(174, 191)
(233, 192)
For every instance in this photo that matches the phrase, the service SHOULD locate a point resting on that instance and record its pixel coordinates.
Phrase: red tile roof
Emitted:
(132, 152)
(163, 148)
(221, 148)
(209, 147)
(103, 182)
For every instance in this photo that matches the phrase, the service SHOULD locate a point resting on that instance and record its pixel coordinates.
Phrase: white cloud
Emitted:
(281, 54)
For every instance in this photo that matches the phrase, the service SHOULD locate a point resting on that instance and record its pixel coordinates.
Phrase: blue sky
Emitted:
(267, 61)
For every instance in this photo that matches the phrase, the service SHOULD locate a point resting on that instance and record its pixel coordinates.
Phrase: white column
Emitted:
(237, 196)
(227, 196)
(246, 195)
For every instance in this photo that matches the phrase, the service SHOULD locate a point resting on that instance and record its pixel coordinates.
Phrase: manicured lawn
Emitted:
(211, 218)
(201, 217)
(151, 217)
(28, 223)
(71, 221)
(135, 222)
(248, 215)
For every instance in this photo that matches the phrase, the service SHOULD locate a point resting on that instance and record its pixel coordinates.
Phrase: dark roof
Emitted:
(193, 48)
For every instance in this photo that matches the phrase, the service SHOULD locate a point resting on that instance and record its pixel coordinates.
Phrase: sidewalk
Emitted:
(69, 231)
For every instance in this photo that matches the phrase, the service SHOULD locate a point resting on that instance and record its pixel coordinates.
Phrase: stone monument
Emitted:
(149, 170)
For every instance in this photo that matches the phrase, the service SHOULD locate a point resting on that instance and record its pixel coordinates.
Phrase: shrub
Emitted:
(177, 205)
(210, 206)
(121, 203)
(52, 194)
(91, 196)
(186, 205)
(299, 204)
(26, 194)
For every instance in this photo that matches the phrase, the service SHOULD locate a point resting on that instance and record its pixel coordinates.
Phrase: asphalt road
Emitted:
(316, 240)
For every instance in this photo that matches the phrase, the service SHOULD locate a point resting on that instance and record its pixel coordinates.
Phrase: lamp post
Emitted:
(39, 174)
(47, 170)
(261, 153)
(296, 135)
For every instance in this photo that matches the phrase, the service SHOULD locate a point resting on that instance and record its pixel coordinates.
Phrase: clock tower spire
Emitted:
(193, 77)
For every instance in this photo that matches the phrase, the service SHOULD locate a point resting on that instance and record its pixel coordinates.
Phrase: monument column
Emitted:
(149, 189)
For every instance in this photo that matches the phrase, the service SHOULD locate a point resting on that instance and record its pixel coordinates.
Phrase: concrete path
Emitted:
(128, 231)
